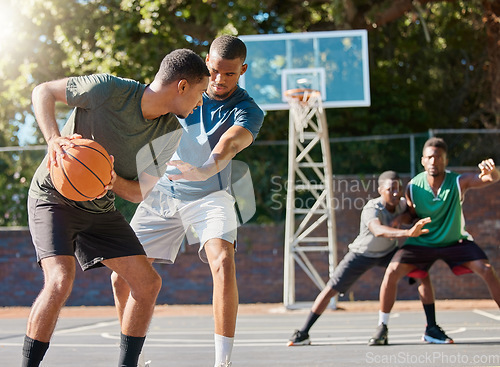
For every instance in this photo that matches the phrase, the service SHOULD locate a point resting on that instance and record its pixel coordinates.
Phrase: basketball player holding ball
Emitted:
(123, 116)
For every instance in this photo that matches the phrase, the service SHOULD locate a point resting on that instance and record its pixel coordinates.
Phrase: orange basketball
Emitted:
(83, 171)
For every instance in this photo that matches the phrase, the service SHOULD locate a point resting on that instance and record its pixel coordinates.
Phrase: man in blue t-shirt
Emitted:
(195, 192)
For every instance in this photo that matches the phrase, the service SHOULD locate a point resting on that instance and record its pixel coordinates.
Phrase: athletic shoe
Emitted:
(436, 335)
(225, 364)
(142, 362)
(380, 337)
(299, 338)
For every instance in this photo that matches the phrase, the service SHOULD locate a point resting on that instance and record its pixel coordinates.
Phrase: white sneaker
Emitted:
(225, 364)
(142, 362)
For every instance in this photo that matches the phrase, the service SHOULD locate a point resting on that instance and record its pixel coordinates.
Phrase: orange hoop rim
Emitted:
(299, 93)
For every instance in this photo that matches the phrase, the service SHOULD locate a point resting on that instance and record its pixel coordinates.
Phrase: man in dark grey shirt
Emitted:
(375, 245)
(123, 116)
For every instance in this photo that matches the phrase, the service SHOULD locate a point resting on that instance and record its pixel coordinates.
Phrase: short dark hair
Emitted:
(229, 47)
(436, 143)
(182, 64)
(387, 175)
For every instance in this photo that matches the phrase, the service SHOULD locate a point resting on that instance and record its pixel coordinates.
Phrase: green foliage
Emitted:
(428, 69)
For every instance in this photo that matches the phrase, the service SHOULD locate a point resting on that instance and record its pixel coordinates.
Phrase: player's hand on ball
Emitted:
(55, 147)
(111, 183)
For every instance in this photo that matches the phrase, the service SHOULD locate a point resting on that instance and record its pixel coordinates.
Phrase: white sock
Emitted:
(223, 349)
(383, 318)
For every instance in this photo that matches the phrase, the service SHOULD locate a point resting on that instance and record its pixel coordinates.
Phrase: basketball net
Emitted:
(304, 105)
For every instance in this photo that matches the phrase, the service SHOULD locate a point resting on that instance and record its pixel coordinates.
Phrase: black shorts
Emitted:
(352, 266)
(454, 256)
(59, 229)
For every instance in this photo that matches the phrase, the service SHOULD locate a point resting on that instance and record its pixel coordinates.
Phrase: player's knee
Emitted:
(224, 267)
(153, 284)
(117, 282)
(485, 270)
(392, 276)
(59, 286)
(392, 273)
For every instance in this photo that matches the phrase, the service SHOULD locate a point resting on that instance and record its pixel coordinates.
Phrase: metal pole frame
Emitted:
(308, 128)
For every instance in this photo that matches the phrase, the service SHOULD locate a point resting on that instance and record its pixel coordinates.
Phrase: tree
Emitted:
(432, 63)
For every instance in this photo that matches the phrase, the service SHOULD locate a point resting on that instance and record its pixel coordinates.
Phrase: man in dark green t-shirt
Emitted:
(127, 118)
(438, 193)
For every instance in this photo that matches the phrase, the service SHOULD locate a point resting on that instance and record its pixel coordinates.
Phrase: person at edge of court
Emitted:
(194, 194)
(438, 193)
(124, 116)
(374, 246)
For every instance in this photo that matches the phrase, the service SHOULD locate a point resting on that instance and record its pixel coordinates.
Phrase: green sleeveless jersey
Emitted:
(445, 210)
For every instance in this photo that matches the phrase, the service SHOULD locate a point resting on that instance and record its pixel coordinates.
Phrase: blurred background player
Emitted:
(374, 246)
(438, 193)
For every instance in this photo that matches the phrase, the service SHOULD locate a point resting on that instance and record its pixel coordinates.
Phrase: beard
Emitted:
(218, 96)
(434, 172)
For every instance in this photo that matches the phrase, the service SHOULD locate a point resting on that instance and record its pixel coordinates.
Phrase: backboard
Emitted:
(334, 62)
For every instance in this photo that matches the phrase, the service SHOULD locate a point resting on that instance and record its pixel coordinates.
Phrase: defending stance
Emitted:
(374, 246)
(195, 190)
(438, 193)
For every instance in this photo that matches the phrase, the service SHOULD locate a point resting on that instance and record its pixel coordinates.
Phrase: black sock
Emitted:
(130, 348)
(311, 319)
(430, 314)
(33, 352)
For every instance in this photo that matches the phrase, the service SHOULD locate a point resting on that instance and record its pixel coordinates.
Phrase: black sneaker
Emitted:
(434, 334)
(380, 336)
(299, 338)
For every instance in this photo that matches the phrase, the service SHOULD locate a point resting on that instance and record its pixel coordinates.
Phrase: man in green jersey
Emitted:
(124, 116)
(438, 193)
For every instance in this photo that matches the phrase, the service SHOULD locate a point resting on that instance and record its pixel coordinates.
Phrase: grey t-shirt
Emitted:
(366, 243)
(108, 110)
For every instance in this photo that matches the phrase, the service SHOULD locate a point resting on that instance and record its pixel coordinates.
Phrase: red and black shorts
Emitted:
(454, 256)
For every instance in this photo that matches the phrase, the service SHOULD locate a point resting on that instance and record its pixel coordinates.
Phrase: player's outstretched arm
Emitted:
(233, 141)
(380, 230)
(418, 229)
(488, 174)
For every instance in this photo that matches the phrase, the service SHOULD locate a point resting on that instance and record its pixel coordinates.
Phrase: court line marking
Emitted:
(87, 327)
(399, 339)
(486, 314)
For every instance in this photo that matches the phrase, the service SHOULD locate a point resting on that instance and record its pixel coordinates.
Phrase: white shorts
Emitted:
(161, 223)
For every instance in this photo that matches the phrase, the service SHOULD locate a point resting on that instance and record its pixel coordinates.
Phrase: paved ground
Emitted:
(182, 336)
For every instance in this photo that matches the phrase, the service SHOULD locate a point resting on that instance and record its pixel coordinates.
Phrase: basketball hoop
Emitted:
(304, 103)
(301, 94)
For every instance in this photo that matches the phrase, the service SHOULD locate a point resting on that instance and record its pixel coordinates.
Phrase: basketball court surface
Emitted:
(182, 336)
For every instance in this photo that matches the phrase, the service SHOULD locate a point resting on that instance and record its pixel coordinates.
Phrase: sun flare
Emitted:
(9, 19)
